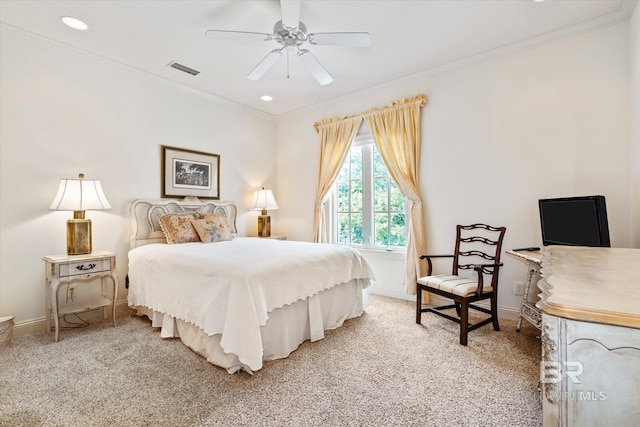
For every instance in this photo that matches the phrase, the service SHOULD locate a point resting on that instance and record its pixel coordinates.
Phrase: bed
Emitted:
(240, 301)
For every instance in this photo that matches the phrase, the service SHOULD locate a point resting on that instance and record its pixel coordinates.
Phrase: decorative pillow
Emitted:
(212, 228)
(177, 227)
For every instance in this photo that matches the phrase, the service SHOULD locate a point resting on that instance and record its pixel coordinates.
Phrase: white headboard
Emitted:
(145, 228)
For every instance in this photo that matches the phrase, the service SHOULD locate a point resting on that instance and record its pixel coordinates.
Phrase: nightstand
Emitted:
(274, 237)
(78, 269)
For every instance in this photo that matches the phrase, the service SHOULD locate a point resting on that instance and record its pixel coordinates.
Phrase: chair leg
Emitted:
(464, 322)
(419, 306)
(457, 304)
(494, 312)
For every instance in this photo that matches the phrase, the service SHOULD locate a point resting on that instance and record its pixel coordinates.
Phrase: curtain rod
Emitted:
(419, 99)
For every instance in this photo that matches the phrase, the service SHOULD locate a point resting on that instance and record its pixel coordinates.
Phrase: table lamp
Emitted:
(263, 200)
(79, 195)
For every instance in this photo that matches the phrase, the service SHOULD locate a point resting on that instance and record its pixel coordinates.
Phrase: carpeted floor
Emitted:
(377, 370)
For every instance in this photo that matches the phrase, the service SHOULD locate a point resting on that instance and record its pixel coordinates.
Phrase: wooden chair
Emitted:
(478, 248)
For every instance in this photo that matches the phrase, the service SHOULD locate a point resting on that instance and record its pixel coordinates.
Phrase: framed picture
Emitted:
(188, 173)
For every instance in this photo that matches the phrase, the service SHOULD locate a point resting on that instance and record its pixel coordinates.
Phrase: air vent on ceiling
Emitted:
(184, 68)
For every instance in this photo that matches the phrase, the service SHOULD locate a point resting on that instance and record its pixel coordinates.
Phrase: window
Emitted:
(370, 210)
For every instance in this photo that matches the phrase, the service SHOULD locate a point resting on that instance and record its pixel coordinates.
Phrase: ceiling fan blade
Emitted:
(290, 13)
(315, 67)
(266, 63)
(238, 35)
(340, 39)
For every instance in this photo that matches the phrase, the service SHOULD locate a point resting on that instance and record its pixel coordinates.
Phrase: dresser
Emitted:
(590, 368)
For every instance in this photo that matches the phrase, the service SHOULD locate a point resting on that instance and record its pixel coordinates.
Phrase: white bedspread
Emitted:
(229, 288)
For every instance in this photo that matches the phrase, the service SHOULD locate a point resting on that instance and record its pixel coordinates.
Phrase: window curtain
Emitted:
(336, 136)
(396, 132)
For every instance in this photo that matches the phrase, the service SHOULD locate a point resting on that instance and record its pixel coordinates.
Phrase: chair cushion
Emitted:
(458, 285)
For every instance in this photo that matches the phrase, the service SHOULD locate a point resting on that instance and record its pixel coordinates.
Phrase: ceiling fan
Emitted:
(291, 34)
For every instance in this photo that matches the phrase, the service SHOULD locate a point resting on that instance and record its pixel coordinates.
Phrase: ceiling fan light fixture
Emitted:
(281, 33)
(74, 23)
(291, 33)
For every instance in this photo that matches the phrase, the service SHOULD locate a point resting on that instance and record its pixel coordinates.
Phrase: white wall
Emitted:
(497, 135)
(634, 67)
(550, 121)
(64, 112)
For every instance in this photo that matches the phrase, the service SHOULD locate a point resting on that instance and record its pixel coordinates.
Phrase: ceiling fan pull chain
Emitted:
(287, 63)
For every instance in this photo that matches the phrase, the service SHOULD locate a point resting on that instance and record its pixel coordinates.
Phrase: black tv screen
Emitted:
(574, 221)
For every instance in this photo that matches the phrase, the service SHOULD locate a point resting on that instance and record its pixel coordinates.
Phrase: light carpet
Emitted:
(381, 369)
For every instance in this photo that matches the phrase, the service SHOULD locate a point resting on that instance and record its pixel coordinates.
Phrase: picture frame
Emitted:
(189, 173)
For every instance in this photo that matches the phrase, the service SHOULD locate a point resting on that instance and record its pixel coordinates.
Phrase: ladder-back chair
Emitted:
(478, 248)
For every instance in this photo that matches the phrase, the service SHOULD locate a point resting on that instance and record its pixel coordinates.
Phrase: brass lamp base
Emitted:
(264, 225)
(78, 236)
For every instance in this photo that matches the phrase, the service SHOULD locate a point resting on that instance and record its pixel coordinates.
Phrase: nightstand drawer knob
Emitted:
(82, 267)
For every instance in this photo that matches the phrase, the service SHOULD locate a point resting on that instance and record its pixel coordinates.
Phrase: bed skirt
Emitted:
(286, 329)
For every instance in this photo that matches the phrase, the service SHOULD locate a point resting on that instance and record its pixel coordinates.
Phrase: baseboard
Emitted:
(122, 308)
(392, 293)
(38, 325)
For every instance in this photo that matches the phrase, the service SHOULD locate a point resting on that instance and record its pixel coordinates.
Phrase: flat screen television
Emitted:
(574, 221)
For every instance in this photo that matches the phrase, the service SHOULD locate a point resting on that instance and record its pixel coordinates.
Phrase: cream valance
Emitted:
(420, 100)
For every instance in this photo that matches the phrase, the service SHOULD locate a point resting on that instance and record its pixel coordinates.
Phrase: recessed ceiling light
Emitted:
(266, 98)
(74, 23)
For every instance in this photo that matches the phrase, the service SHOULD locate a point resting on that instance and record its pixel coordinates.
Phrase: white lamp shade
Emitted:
(79, 195)
(263, 200)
